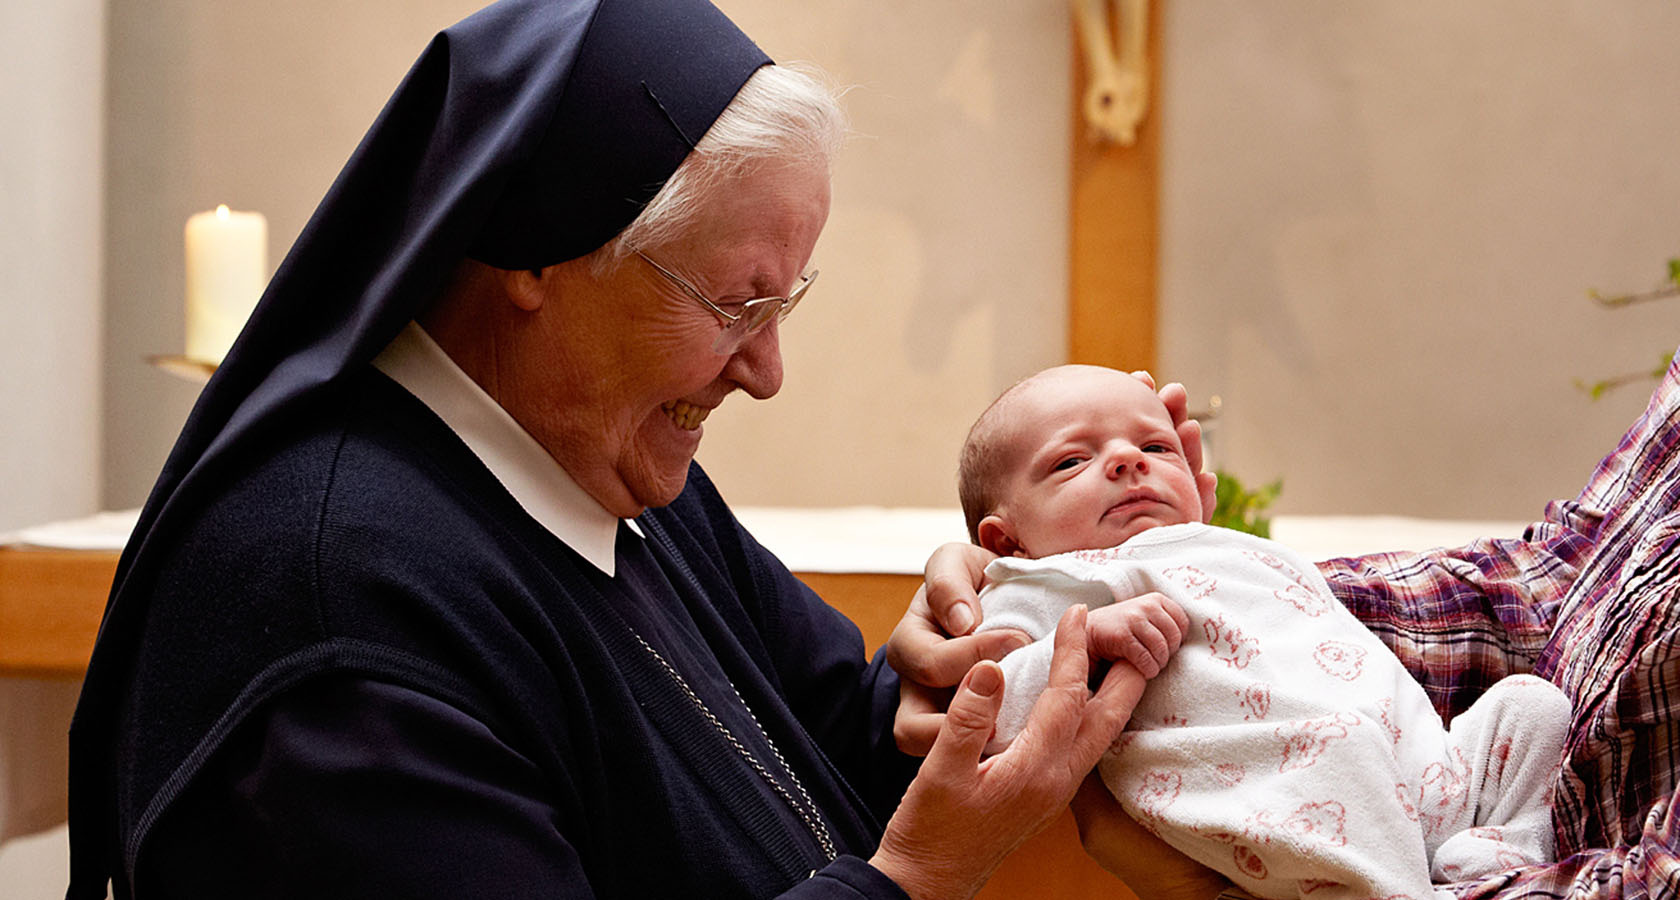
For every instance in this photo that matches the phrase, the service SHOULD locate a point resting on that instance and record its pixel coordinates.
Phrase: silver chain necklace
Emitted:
(802, 805)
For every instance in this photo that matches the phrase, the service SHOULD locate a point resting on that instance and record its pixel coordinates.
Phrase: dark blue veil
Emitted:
(528, 134)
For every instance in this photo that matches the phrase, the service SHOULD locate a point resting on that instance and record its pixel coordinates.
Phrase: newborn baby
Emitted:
(1282, 745)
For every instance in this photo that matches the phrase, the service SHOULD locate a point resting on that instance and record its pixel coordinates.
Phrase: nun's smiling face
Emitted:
(620, 400)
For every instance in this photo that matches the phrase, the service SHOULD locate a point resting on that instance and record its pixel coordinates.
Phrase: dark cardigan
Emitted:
(373, 556)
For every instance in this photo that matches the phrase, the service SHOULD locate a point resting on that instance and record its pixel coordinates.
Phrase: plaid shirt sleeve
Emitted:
(1462, 618)
(1589, 598)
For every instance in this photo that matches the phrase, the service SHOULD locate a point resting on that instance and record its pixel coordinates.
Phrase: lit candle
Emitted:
(227, 268)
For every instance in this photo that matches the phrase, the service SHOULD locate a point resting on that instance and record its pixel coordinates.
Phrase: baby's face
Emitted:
(1093, 459)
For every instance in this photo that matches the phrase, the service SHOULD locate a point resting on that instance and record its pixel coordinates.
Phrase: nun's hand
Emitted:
(963, 814)
(928, 662)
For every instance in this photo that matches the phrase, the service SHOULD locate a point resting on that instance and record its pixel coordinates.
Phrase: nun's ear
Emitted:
(525, 288)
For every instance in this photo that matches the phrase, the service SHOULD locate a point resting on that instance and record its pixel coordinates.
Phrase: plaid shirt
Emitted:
(1587, 598)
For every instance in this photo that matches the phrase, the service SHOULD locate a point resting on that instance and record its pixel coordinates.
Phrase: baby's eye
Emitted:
(1067, 463)
(1157, 447)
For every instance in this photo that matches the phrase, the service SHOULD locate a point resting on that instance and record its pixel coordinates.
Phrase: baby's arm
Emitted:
(1031, 606)
(1144, 631)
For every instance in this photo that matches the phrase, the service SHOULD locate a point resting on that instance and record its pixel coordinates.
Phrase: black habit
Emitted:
(340, 660)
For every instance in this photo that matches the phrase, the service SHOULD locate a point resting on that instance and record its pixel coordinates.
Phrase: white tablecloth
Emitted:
(35, 713)
(877, 539)
(898, 540)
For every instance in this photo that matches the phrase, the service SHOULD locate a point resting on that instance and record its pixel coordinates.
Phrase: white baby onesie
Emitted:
(1284, 746)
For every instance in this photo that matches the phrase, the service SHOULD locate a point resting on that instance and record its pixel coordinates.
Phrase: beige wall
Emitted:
(1379, 223)
(52, 115)
(942, 265)
(944, 262)
(51, 195)
(255, 105)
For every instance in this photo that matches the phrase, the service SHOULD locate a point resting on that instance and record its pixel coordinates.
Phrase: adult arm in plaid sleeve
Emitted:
(1590, 599)
(1462, 618)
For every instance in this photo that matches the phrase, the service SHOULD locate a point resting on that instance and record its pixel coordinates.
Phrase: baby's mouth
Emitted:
(1134, 499)
(687, 416)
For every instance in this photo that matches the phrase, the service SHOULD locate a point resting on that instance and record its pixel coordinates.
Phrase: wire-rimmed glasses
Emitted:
(754, 314)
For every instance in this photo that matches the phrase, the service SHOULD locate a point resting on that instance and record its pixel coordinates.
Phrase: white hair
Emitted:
(784, 114)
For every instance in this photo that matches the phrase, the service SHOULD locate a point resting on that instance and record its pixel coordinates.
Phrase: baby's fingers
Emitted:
(1139, 631)
(1179, 618)
(1169, 623)
(1135, 641)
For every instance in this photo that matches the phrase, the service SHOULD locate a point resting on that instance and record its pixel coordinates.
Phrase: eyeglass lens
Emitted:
(758, 313)
(751, 320)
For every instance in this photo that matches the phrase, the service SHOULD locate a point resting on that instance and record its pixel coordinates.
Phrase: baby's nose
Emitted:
(1123, 458)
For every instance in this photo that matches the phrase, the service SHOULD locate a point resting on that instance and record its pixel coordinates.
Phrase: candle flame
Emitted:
(222, 211)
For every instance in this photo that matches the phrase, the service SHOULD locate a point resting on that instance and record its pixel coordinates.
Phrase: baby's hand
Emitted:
(1144, 631)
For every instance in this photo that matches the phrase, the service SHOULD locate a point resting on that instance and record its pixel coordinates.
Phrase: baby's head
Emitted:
(1075, 458)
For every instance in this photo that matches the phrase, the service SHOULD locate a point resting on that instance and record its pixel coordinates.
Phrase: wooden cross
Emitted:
(1113, 235)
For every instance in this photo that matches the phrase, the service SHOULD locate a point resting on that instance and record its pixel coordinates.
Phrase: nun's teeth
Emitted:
(686, 415)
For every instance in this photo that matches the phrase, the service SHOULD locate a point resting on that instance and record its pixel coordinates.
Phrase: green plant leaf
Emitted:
(1597, 389)
(1243, 509)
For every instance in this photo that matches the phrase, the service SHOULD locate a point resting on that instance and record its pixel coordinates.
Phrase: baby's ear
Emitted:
(996, 536)
(1207, 484)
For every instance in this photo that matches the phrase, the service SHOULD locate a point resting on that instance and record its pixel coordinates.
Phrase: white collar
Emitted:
(535, 480)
